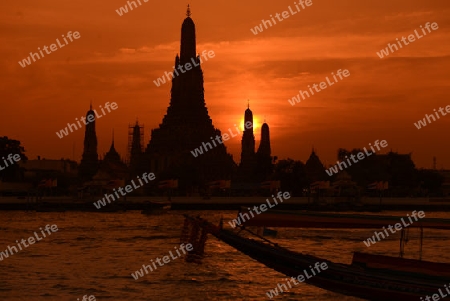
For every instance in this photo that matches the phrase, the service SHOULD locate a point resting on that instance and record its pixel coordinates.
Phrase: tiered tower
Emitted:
(248, 158)
(89, 162)
(255, 167)
(263, 155)
(264, 145)
(135, 148)
(187, 125)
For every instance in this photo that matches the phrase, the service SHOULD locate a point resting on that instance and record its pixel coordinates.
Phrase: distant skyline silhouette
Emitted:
(119, 57)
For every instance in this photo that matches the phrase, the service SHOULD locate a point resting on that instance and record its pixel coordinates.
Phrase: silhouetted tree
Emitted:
(402, 174)
(10, 146)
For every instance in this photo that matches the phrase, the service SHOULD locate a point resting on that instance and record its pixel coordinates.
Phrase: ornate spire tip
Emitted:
(188, 12)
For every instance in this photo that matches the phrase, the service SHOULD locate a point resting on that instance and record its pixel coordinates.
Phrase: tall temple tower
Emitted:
(247, 167)
(248, 139)
(263, 155)
(135, 148)
(255, 167)
(264, 145)
(187, 125)
(89, 160)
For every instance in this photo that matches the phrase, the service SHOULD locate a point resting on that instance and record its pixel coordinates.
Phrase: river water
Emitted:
(95, 254)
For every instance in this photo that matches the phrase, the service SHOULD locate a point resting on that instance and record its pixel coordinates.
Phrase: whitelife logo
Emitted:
(398, 227)
(322, 85)
(165, 259)
(90, 118)
(27, 61)
(162, 80)
(124, 9)
(128, 189)
(10, 158)
(423, 122)
(360, 155)
(241, 217)
(285, 15)
(411, 38)
(437, 297)
(319, 267)
(199, 150)
(30, 240)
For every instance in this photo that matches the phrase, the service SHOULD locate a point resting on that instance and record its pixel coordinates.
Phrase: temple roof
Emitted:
(112, 155)
(314, 161)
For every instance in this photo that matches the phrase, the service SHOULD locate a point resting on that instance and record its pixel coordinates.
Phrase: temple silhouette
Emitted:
(168, 152)
(186, 125)
(89, 161)
(254, 166)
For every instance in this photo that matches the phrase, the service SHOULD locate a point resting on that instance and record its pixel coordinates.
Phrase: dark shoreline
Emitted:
(122, 206)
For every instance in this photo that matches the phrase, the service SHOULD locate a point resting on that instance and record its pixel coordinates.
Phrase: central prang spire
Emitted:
(187, 125)
(187, 47)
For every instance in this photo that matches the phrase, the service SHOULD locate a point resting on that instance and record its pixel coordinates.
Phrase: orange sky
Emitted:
(118, 57)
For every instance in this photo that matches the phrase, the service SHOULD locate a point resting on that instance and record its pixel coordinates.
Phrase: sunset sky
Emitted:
(117, 58)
